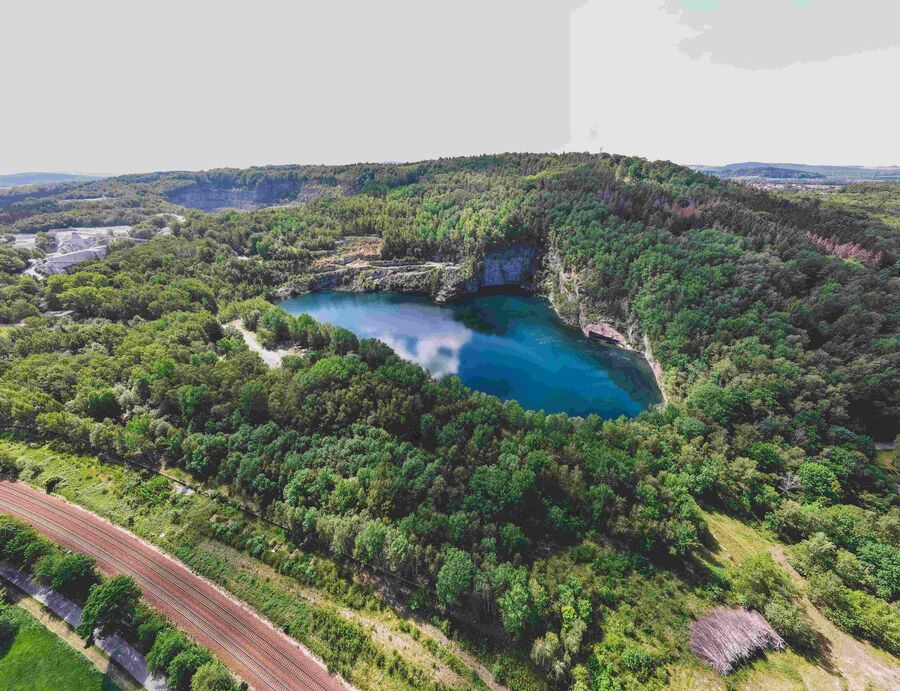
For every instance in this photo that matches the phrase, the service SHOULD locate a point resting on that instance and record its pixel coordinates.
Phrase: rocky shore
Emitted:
(357, 267)
(564, 292)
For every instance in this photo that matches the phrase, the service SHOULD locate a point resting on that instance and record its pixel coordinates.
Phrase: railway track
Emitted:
(262, 655)
(187, 591)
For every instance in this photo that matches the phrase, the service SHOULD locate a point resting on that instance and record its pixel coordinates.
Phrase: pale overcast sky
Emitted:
(107, 86)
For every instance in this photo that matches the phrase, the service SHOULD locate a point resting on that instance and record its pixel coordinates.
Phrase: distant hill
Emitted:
(802, 173)
(774, 172)
(20, 179)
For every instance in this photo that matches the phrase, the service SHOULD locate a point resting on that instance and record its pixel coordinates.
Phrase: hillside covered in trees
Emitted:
(775, 322)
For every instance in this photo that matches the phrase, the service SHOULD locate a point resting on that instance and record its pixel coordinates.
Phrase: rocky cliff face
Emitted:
(208, 197)
(514, 266)
(607, 325)
(520, 266)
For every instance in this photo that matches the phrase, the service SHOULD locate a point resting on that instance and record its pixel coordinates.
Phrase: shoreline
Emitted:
(353, 279)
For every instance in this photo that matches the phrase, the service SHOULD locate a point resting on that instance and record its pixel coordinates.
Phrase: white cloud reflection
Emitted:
(438, 353)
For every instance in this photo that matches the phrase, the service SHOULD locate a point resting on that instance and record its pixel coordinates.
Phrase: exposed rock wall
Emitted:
(514, 266)
(521, 266)
(208, 197)
(612, 324)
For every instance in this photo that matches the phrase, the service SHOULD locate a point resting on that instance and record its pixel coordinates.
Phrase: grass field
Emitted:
(37, 660)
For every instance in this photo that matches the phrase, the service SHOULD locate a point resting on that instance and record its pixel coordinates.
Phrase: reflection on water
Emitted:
(438, 353)
(477, 320)
(509, 346)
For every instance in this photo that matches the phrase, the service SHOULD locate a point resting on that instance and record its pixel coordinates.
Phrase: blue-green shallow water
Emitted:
(510, 346)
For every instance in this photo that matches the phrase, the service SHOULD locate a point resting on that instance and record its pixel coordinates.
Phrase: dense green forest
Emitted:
(775, 321)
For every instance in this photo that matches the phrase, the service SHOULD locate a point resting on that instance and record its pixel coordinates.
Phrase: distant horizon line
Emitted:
(82, 173)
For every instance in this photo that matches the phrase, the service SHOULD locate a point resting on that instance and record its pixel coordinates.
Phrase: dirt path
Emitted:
(272, 358)
(483, 672)
(261, 654)
(859, 664)
(851, 664)
(387, 635)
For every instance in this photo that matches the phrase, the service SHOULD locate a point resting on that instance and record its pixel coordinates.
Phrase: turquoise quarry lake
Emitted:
(510, 346)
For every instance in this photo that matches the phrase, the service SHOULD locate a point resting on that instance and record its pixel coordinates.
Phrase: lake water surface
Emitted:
(510, 346)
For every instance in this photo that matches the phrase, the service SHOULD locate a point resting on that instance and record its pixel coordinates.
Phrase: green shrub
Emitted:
(70, 574)
(791, 622)
(792, 521)
(150, 625)
(154, 491)
(876, 620)
(455, 576)
(818, 481)
(182, 669)
(169, 643)
(111, 608)
(9, 466)
(851, 570)
(8, 626)
(690, 427)
(856, 611)
(816, 553)
(884, 560)
(759, 580)
(51, 483)
(213, 676)
(103, 404)
(20, 543)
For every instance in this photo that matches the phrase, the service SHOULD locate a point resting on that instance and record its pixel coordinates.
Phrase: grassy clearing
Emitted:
(887, 459)
(58, 626)
(350, 628)
(694, 678)
(735, 540)
(785, 671)
(734, 543)
(38, 660)
(851, 663)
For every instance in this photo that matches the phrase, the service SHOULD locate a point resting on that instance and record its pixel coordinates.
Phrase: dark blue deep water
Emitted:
(511, 346)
